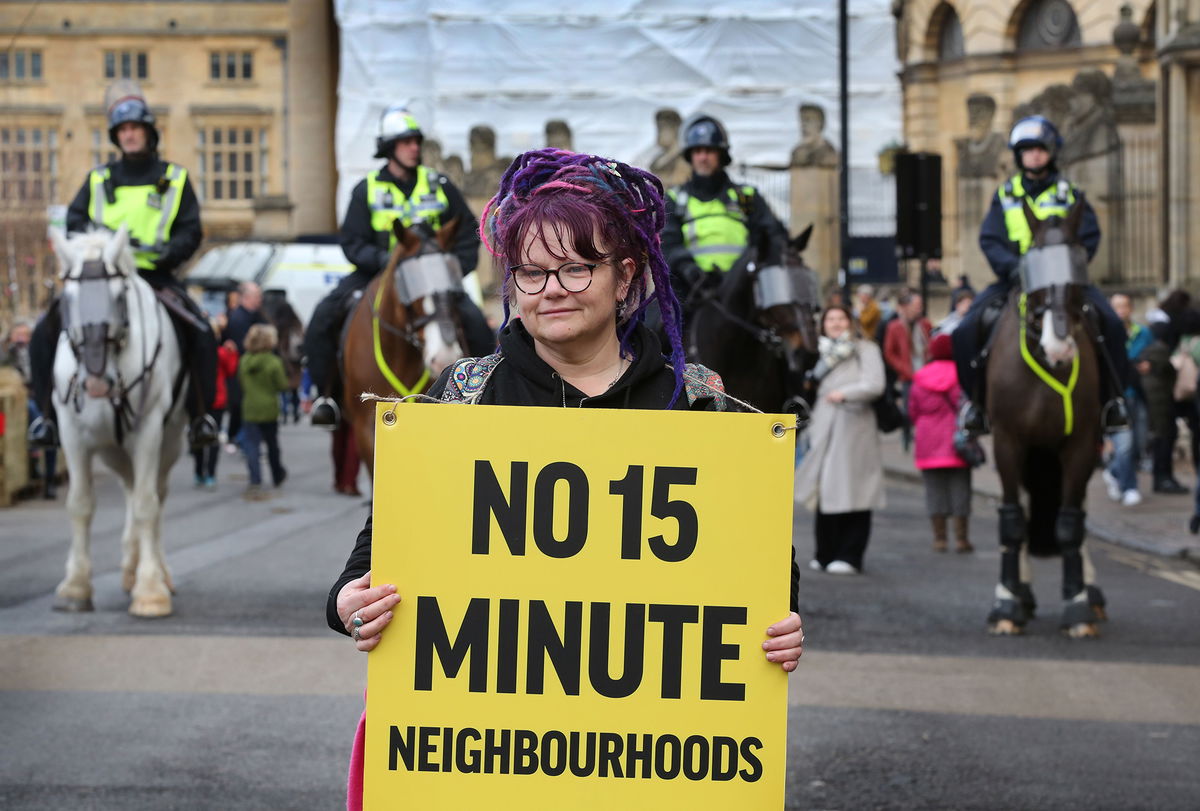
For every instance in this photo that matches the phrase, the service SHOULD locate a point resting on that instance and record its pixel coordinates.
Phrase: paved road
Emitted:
(243, 700)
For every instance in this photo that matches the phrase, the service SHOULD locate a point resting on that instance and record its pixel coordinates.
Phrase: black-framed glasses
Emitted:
(574, 277)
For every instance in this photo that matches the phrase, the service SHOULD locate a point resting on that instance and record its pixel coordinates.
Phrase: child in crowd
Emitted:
(263, 378)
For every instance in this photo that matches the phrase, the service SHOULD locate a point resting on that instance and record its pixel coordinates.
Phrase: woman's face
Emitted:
(835, 323)
(560, 319)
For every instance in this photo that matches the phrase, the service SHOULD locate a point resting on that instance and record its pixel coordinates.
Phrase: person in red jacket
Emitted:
(905, 345)
(206, 457)
(933, 408)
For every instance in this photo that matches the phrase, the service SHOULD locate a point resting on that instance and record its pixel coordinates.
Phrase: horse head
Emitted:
(427, 280)
(1053, 277)
(97, 269)
(786, 300)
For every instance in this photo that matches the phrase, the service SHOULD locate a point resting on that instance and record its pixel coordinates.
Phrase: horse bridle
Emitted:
(768, 336)
(96, 335)
(428, 275)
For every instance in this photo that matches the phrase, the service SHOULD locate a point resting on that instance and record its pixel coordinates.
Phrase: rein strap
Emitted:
(1066, 391)
(381, 362)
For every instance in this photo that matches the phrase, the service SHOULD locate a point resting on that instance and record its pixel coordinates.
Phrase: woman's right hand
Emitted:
(372, 605)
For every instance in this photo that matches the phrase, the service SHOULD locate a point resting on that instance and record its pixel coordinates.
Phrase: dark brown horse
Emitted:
(757, 328)
(1044, 403)
(404, 330)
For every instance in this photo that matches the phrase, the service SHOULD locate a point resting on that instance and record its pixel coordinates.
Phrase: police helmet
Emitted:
(704, 130)
(132, 108)
(1034, 131)
(395, 123)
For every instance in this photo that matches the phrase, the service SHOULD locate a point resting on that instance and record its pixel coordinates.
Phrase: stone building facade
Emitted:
(1120, 79)
(244, 93)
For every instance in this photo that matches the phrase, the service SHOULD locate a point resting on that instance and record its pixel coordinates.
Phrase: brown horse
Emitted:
(1044, 402)
(404, 330)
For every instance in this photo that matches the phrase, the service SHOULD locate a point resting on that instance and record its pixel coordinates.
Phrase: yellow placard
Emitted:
(585, 594)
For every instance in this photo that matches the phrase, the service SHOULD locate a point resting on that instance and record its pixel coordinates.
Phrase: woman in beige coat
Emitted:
(841, 475)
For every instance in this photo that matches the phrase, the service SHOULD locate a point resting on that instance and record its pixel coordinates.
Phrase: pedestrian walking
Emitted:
(933, 407)
(262, 377)
(206, 458)
(841, 476)
(1120, 475)
(577, 237)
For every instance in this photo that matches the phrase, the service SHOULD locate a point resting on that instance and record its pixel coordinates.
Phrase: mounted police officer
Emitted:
(1004, 237)
(402, 190)
(710, 219)
(154, 200)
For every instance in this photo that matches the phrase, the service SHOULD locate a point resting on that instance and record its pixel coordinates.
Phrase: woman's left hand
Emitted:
(786, 643)
(835, 397)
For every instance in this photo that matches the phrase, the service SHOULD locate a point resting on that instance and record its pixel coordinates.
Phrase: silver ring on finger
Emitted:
(357, 636)
(357, 622)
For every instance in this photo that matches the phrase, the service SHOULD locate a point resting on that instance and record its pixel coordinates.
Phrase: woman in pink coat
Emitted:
(932, 407)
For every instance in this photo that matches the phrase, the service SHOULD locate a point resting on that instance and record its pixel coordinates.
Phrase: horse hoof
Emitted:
(151, 607)
(73, 604)
(1005, 628)
(1082, 630)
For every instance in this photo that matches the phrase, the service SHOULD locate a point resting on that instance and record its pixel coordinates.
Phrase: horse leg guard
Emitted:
(1008, 609)
(1095, 598)
(1078, 615)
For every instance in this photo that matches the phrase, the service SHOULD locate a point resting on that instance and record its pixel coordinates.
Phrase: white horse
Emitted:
(117, 372)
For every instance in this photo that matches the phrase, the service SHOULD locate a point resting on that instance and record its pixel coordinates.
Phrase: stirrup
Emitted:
(1114, 416)
(203, 432)
(972, 420)
(325, 413)
(42, 433)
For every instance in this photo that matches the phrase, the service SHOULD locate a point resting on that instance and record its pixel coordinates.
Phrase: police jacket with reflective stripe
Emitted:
(759, 221)
(367, 249)
(182, 237)
(1000, 247)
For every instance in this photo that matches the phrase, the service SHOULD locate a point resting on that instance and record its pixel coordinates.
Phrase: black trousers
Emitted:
(968, 343)
(842, 536)
(198, 348)
(323, 337)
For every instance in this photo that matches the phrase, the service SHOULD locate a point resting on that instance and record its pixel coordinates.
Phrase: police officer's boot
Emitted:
(43, 433)
(203, 432)
(325, 413)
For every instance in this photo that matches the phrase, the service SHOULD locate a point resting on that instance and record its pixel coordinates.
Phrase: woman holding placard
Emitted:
(578, 239)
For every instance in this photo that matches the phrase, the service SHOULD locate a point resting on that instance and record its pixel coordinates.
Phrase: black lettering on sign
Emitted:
(401, 744)
(577, 509)
(466, 759)
(661, 506)
(554, 759)
(432, 637)
(525, 746)
(506, 646)
(611, 745)
(598, 647)
(673, 618)
(667, 764)
(563, 651)
(713, 651)
(489, 500)
(725, 758)
(635, 754)
(754, 767)
(428, 748)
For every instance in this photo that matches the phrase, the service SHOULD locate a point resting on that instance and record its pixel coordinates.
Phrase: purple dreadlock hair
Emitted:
(586, 201)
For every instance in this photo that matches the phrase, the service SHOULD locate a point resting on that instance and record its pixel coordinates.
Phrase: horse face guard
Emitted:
(792, 287)
(1053, 278)
(95, 314)
(430, 274)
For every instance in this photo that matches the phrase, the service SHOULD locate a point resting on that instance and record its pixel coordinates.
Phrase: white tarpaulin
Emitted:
(605, 68)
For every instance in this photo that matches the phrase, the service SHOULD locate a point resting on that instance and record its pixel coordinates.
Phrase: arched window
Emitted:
(1047, 25)
(950, 36)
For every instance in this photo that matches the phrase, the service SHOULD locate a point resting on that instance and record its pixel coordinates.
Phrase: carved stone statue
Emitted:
(558, 135)
(814, 148)
(484, 177)
(1091, 129)
(984, 151)
(667, 162)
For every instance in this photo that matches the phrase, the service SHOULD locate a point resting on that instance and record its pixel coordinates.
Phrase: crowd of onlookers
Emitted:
(915, 366)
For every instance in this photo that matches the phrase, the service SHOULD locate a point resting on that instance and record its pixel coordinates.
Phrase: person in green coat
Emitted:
(263, 378)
